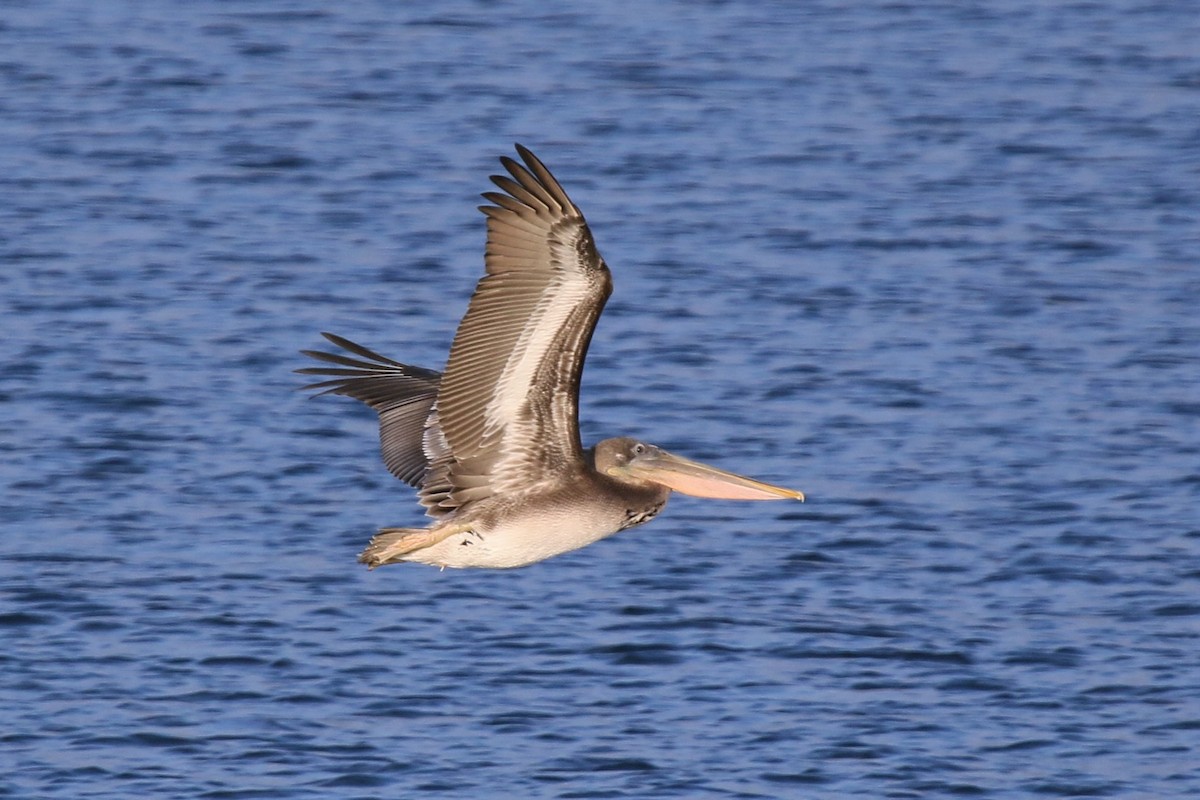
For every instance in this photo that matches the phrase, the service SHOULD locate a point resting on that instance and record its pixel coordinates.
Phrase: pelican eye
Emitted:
(639, 448)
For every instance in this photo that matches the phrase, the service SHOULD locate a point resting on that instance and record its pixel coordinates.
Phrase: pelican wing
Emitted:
(509, 400)
(402, 395)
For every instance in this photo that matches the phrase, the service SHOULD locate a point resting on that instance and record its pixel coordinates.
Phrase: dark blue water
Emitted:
(937, 265)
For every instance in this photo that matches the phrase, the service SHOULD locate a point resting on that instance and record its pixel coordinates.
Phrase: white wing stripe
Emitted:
(531, 350)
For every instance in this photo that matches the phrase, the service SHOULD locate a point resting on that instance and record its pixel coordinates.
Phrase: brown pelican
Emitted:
(493, 443)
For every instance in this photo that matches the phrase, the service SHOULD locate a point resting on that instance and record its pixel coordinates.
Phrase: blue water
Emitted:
(937, 265)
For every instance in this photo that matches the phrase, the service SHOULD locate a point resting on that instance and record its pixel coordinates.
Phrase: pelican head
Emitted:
(631, 461)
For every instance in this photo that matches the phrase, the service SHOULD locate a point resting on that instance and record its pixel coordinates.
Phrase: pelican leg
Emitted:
(390, 544)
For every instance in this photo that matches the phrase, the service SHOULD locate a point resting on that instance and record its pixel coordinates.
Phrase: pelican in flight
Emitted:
(492, 444)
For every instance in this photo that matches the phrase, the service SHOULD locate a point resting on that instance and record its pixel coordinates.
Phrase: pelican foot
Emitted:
(390, 545)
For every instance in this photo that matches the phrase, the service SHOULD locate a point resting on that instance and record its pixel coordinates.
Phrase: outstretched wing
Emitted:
(509, 400)
(402, 395)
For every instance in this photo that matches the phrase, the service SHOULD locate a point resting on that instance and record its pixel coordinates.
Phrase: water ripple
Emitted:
(931, 263)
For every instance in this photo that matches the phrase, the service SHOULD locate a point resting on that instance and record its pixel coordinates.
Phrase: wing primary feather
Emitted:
(510, 203)
(530, 183)
(519, 192)
(354, 347)
(402, 395)
(546, 178)
(337, 358)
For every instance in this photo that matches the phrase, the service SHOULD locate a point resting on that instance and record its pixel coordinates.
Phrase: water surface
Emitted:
(935, 265)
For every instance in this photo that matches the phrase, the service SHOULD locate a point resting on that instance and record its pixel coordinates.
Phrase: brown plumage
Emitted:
(493, 444)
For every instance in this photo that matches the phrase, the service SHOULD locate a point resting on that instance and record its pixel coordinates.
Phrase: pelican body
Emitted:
(492, 444)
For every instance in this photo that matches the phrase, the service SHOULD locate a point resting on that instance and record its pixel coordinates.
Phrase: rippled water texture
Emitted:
(937, 265)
